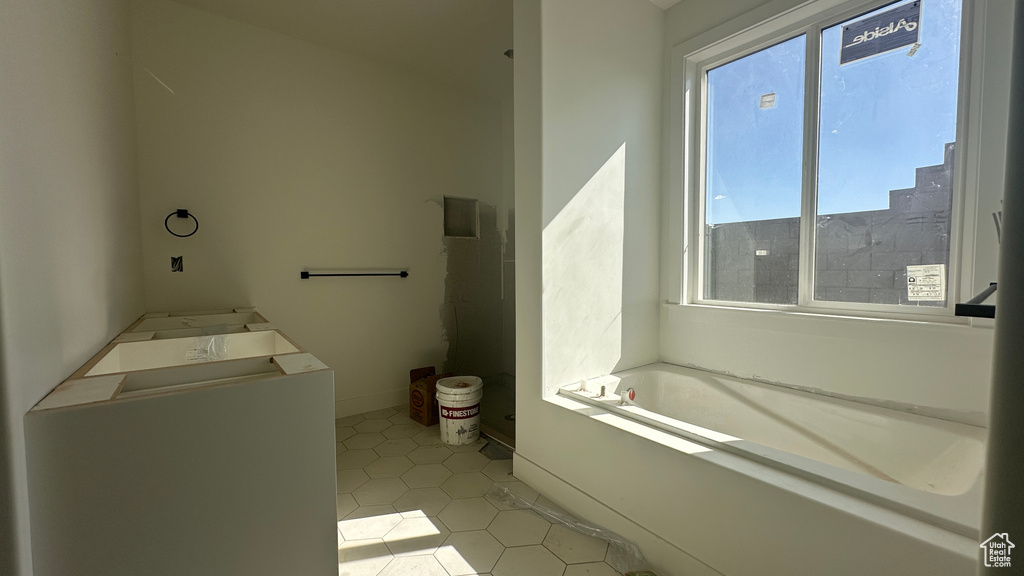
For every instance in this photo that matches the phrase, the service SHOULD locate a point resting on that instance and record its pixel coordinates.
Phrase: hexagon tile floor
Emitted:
(410, 505)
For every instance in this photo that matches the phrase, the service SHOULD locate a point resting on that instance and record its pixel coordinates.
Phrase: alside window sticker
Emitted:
(881, 33)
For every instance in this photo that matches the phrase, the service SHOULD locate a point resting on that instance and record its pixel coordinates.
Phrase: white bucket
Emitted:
(458, 399)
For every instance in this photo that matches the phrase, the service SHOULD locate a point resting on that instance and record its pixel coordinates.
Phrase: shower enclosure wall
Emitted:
(479, 315)
(479, 310)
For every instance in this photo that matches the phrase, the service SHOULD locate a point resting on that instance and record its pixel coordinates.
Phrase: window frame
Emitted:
(696, 57)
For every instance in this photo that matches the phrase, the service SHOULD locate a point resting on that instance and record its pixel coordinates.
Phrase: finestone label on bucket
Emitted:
(460, 413)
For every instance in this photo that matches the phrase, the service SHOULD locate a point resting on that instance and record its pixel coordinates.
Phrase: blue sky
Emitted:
(881, 117)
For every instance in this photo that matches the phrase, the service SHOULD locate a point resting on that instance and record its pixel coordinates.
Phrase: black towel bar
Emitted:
(402, 274)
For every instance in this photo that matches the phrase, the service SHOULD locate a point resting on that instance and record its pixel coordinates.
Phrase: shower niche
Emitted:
(461, 217)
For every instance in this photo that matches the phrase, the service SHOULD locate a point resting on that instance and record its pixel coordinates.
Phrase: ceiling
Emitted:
(458, 42)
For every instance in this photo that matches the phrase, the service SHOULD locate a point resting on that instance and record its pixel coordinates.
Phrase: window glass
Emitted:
(753, 172)
(887, 126)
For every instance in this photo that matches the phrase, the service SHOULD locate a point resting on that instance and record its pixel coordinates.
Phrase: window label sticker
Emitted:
(926, 283)
(884, 32)
(767, 101)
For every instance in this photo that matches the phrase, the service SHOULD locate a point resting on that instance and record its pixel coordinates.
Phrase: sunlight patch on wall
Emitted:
(582, 267)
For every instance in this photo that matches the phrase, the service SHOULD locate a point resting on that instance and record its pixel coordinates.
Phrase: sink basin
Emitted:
(197, 375)
(150, 354)
(197, 321)
(202, 331)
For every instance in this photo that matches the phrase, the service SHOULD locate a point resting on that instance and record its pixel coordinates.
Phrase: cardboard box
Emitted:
(423, 395)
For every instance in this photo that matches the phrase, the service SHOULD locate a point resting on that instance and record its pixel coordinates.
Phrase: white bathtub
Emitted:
(923, 467)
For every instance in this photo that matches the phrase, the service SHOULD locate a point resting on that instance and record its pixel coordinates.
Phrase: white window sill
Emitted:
(760, 314)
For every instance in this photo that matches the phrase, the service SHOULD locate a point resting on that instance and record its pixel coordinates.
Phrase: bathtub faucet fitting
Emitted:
(627, 397)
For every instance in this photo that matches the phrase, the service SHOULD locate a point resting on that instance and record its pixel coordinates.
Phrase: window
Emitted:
(825, 162)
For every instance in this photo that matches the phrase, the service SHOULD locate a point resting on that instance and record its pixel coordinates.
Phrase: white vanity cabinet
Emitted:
(151, 461)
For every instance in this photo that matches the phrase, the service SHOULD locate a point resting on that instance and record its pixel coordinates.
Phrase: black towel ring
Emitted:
(180, 213)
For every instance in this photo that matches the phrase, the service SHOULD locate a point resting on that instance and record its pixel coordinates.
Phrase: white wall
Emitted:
(292, 155)
(689, 18)
(588, 95)
(70, 257)
(588, 131)
(601, 139)
(937, 369)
